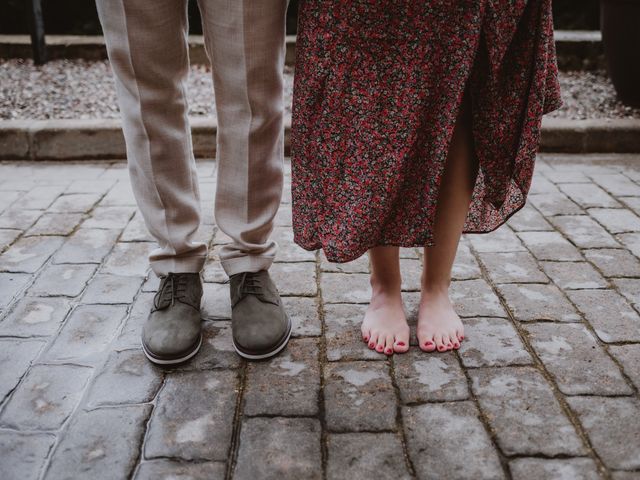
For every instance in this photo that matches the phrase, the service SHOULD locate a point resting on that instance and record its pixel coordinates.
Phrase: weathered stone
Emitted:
(616, 220)
(65, 280)
(11, 284)
(550, 246)
(343, 334)
(85, 185)
(15, 358)
(109, 217)
(584, 231)
(589, 195)
(554, 203)
(614, 262)
(89, 448)
(127, 377)
(629, 357)
(34, 316)
(87, 332)
(574, 275)
(297, 279)
(86, 246)
(609, 313)
(55, 224)
(540, 184)
(525, 416)
(74, 203)
(630, 289)
(578, 363)
(528, 219)
(631, 241)
(360, 265)
(23, 455)
(40, 197)
(112, 289)
(622, 475)
(425, 377)
(288, 251)
(465, 265)
(283, 217)
(168, 470)
(130, 334)
(193, 418)
(17, 217)
(554, 469)
(411, 272)
(538, 302)
(279, 449)
(216, 301)
(492, 342)
(447, 440)
(28, 254)
(8, 236)
(362, 456)
(359, 396)
(512, 267)
(217, 348)
(617, 184)
(304, 316)
(136, 230)
(288, 384)
(128, 259)
(500, 240)
(475, 298)
(46, 397)
(613, 426)
(345, 287)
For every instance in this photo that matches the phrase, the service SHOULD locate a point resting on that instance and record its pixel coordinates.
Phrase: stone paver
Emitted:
(613, 426)
(573, 356)
(193, 417)
(448, 440)
(279, 449)
(545, 384)
(88, 449)
(22, 456)
(361, 456)
(522, 410)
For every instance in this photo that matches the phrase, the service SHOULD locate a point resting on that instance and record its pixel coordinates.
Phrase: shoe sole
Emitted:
(172, 361)
(271, 353)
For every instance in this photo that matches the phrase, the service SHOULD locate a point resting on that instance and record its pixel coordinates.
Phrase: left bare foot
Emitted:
(439, 326)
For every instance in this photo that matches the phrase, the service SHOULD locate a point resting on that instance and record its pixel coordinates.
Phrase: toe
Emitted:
(401, 343)
(382, 340)
(388, 347)
(454, 340)
(373, 340)
(460, 334)
(440, 344)
(428, 343)
(365, 335)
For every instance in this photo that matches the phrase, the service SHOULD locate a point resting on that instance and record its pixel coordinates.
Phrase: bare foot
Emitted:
(439, 326)
(385, 327)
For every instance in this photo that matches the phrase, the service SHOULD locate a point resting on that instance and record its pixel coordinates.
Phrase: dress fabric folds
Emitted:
(378, 86)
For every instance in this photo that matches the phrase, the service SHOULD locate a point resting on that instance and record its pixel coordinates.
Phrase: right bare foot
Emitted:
(385, 327)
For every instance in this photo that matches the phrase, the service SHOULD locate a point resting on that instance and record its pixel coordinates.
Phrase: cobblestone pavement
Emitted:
(545, 385)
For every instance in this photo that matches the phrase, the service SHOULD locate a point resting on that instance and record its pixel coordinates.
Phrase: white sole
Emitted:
(265, 355)
(173, 361)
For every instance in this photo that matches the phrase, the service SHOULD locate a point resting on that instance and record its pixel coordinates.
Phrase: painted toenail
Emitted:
(371, 345)
(389, 350)
(366, 339)
(401, 344)
(428, 344)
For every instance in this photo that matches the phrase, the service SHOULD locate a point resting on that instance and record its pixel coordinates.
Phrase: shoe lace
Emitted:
(172, 288)
(251, 284)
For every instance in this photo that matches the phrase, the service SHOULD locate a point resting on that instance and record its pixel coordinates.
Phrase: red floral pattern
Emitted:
(378, 85)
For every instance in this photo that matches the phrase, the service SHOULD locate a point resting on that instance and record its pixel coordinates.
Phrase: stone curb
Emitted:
(103, 139)
(576, 49)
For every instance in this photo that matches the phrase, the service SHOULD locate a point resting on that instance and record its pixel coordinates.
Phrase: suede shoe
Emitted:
(173, 332)
(260, 326)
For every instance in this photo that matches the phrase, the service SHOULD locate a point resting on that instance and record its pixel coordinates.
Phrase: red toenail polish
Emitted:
(366, 339)
(428, 343)
(371, 345)
(401, 344)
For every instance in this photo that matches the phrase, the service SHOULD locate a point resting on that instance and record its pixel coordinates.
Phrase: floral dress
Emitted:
(378, 85)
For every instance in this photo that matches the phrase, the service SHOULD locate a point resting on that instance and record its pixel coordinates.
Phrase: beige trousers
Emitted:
(148, 49)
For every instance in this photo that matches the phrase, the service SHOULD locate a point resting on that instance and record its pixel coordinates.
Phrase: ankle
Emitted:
(440, 289)
(384, 285)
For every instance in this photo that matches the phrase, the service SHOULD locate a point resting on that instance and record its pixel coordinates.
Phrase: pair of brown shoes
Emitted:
(172, 333)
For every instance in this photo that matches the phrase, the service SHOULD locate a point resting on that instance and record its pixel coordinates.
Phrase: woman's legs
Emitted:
(438, 324)
(385, 325)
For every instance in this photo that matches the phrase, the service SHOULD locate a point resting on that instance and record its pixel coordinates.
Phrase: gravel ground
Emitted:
(82, 90)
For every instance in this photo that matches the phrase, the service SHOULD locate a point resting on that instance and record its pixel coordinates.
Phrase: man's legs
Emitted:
(148, 50)
(245, 40)
(147, 45)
